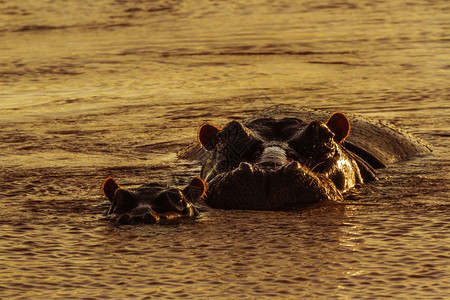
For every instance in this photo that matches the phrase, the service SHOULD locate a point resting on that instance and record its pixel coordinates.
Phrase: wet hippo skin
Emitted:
(270, 163)
(152, 203)
(279, 164)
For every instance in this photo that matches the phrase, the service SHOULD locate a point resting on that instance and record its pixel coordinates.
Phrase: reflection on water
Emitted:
(97, 88)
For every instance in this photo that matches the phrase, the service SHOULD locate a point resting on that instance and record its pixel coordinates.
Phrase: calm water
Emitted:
(96, 88)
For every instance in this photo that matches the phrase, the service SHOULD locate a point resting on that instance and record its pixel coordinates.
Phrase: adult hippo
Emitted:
(286, 159)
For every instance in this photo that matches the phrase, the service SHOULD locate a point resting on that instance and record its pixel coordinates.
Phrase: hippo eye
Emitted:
(238, 141)
(314, 143)
(174, 196)
(237, 138)
(168, 201)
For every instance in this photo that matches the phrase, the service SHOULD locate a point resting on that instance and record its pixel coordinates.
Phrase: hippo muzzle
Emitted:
(274, 182)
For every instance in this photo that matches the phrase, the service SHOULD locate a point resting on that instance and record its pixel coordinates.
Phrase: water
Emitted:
(97, 88)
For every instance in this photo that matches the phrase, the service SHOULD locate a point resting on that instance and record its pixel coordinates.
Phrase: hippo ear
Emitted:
(339, 125)
(195, 190)
(207, 136)
(109, 188)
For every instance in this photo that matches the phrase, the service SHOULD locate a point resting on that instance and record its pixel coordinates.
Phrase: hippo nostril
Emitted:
(150, 218)
(124, 219)
(245, 166)
(295, 167)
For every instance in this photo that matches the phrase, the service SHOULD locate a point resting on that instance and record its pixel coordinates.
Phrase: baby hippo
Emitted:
(152, 203)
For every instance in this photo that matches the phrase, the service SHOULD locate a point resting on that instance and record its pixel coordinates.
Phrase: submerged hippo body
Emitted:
(282, 160)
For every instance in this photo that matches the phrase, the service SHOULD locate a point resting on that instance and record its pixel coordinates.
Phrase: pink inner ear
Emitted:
(198, 185)
(208, 136)
(339, 125)
(195, 190)
(109, 188)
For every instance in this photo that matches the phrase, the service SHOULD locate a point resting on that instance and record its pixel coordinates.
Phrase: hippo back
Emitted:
(377, 142)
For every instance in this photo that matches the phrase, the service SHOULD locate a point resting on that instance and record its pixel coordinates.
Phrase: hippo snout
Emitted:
(257, 187)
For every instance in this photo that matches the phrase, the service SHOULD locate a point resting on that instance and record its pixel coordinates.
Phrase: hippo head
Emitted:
(273, 164)
(151, 203)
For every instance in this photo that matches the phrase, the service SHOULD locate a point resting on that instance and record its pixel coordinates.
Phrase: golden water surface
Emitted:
(115, 87)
